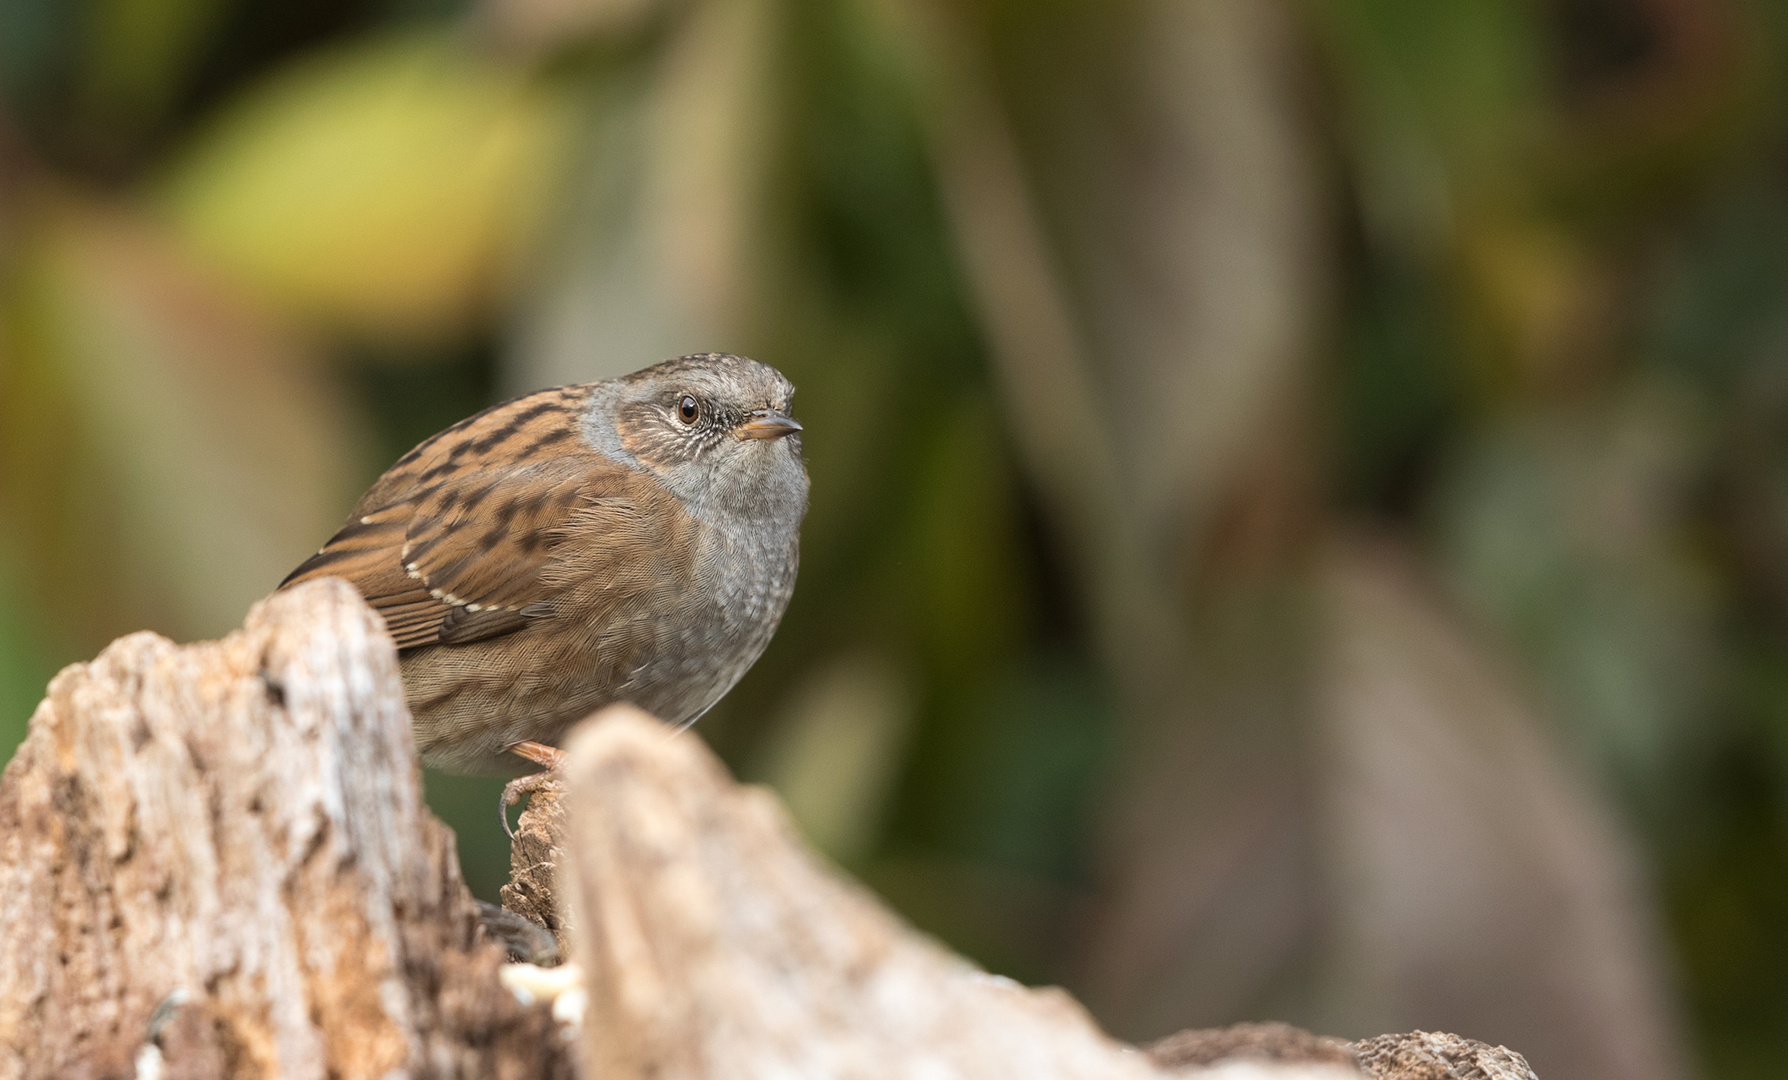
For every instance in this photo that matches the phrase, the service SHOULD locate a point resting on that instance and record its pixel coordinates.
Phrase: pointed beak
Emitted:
(768, 424)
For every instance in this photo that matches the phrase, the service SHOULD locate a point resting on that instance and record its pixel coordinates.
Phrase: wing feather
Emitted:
(453, 543)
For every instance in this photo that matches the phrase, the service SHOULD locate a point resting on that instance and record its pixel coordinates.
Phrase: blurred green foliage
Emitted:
(250, 252)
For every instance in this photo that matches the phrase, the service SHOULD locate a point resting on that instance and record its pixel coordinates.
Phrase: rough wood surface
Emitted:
(230, 837)
(534, 862)
(1262, 1050)
(1434, 1055)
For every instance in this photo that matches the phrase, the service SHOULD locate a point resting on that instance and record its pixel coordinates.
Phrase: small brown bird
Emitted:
(631, 540)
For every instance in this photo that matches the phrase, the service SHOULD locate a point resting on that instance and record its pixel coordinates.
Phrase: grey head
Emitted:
(714, 429)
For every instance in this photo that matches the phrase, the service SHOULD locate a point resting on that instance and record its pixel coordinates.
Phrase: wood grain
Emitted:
(234, 832)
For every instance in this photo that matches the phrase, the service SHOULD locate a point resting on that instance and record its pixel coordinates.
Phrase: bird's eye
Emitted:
(689, 409)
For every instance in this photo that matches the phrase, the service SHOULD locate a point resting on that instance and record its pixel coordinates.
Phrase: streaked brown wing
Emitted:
(450, 544)
(368, 553)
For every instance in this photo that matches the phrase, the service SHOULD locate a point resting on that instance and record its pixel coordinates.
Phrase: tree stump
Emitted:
(230, 838)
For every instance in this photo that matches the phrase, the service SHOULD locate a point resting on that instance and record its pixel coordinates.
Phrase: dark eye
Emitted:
(689, 409)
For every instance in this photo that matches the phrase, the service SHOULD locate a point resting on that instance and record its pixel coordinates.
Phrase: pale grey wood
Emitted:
(234, 831)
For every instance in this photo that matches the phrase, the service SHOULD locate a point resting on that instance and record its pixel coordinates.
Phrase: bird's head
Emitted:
(714, 428)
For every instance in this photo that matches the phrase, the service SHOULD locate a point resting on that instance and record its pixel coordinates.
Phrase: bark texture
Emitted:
(230, 838)
(1434, 1055)
(1280, 1050)
(534, 859)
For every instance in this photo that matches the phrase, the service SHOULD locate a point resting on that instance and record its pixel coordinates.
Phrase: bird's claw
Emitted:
(525, 940)
(541, 754)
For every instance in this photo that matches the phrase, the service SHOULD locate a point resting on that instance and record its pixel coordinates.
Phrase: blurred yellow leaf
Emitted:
(1543, 296)
(389, 188)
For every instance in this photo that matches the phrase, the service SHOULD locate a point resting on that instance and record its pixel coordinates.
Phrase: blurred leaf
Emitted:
(390, 187)
(1721, 316)
(1542, 299)
(35, 37)
(1475, 872)
(24, 669)
(168, 453)
(959, 574)
(1562, 530)
(1010, 769)
(545, 26)
(139, 52)
(1729, 900)
(1442, 107)
(834, 755)
(1401, 387)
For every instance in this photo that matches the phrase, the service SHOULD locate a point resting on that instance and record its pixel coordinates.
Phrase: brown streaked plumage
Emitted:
(631, 540)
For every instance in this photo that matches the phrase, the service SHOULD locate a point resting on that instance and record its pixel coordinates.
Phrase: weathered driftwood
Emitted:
(215, 862)
(233, 834)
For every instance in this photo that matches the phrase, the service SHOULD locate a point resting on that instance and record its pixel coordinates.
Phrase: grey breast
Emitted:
(748, 578)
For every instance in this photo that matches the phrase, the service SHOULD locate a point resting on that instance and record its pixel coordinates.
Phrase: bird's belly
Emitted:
(674, 658)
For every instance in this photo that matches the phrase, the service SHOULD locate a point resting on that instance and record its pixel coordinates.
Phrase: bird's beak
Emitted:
(768, 424)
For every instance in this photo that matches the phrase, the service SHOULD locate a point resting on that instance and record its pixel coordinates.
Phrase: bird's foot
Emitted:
(527, 941)
(540, 754)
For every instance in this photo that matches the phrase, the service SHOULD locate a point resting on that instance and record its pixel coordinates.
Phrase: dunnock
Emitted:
(631, 540)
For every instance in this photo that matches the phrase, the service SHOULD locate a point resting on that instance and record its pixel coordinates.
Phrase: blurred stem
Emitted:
(1188, 287)
(1040, 362)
